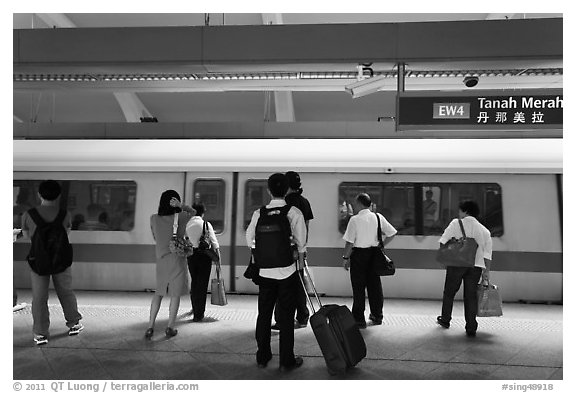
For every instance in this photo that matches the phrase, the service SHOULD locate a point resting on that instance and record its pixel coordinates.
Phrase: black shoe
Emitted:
(375, 321)
(442, 323)
(262, 365)
(361, 324)
(297, 363)
(275, 327)
(197, 319)
(171, 332)
(471, 333)
(149, 333)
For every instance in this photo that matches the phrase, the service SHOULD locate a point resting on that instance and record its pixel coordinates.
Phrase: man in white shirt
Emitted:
(278, 274)
(455, 275)
(361, 238)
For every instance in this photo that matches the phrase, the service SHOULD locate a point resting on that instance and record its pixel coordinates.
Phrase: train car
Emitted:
(113, 186)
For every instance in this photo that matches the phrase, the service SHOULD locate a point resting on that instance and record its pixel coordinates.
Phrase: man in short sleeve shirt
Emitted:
(361, 244)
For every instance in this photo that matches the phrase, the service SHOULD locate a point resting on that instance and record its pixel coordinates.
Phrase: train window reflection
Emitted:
(423, 208)
(211, 192)
(256, 195)
(94, 205)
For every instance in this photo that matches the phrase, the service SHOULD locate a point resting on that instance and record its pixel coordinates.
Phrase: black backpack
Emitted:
(273, 238)
(50, 252)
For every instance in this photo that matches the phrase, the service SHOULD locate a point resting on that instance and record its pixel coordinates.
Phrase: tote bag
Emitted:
(458, 252)
(218, 293)
(489, 301)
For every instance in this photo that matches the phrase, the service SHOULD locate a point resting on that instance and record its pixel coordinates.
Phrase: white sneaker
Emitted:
(40, 339)
(19, 307)
(74, 330)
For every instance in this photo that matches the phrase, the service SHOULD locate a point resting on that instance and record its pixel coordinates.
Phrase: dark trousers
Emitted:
(269, 291)
(454, 277)
(199, 266)
(302, 313)
(363, 278)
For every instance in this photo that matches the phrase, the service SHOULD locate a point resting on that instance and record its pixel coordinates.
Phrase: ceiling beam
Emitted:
(283, 101)
(131, 105)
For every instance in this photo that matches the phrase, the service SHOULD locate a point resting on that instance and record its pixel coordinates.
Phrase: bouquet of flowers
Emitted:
(180, 246)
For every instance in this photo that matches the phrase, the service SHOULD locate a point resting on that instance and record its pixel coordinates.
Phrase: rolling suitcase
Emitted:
(339, 338)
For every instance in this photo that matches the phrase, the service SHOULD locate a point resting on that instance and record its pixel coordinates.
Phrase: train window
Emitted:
(423, 208)
(256, 195)
(211, 193)
(95, 205)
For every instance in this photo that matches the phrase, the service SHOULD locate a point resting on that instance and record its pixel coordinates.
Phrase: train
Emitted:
(111, 187)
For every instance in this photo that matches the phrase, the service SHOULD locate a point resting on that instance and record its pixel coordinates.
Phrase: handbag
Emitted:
(205, 246)
(252, 271)
(218, 293)
(179, 245)
(458, 252)
(489, 301)
(383, 266)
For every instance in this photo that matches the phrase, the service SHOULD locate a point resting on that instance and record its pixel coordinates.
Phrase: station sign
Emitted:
(489, 110)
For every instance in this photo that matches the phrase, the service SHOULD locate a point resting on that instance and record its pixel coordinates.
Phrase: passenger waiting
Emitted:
(199, 263)
(294, 198)
(361, 244)
(468, 213)
(273, 254)
(171, 273)
(45, 264)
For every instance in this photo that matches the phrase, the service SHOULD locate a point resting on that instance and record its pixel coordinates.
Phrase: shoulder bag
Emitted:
(383, 266)
(205, 245)
(458, 252)
(179, 245)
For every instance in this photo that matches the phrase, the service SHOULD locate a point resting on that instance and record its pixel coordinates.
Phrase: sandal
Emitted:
(171, 332)
(149, 333)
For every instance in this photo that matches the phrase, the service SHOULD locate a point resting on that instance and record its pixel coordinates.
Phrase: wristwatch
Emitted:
(344, 257)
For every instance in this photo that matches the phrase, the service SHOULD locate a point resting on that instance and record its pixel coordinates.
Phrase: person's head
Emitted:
(429, 194)
(469, 208)
(200, 209)
(49, 190)
(164, 208)
(294, 182)
(278, 185)
(362, 201)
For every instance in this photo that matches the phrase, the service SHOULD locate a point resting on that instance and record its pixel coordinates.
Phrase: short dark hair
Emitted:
(364, 199)
(49, 190)
(278, 185)
(470, 207)
(200, 208)
(164, 208)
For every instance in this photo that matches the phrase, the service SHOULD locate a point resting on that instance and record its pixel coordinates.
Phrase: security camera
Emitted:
(470, 81)
(368, 86)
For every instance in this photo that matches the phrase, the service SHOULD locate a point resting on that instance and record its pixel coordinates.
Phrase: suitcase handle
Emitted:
(307, 272)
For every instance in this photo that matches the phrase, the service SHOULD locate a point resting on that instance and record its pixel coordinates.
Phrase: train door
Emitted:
(215, 191)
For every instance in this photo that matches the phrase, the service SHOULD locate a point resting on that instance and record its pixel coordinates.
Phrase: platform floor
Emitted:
(525, 344)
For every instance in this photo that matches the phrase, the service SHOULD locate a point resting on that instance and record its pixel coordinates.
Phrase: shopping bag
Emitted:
(489, 301)
(218, 293)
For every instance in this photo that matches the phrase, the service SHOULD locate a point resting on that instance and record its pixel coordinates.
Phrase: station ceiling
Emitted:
(253, 92)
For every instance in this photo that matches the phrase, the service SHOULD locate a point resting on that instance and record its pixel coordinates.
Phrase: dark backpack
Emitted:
(273, 239)
(50, 252)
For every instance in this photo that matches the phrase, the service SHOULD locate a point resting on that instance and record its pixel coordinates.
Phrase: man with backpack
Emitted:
(50, 256)
(276, 233)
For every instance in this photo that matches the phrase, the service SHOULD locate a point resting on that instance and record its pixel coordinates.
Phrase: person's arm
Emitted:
(388, 231)
(188, 209)
(487, 249)
(299, 231)
(346, 255)
(251, 230)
